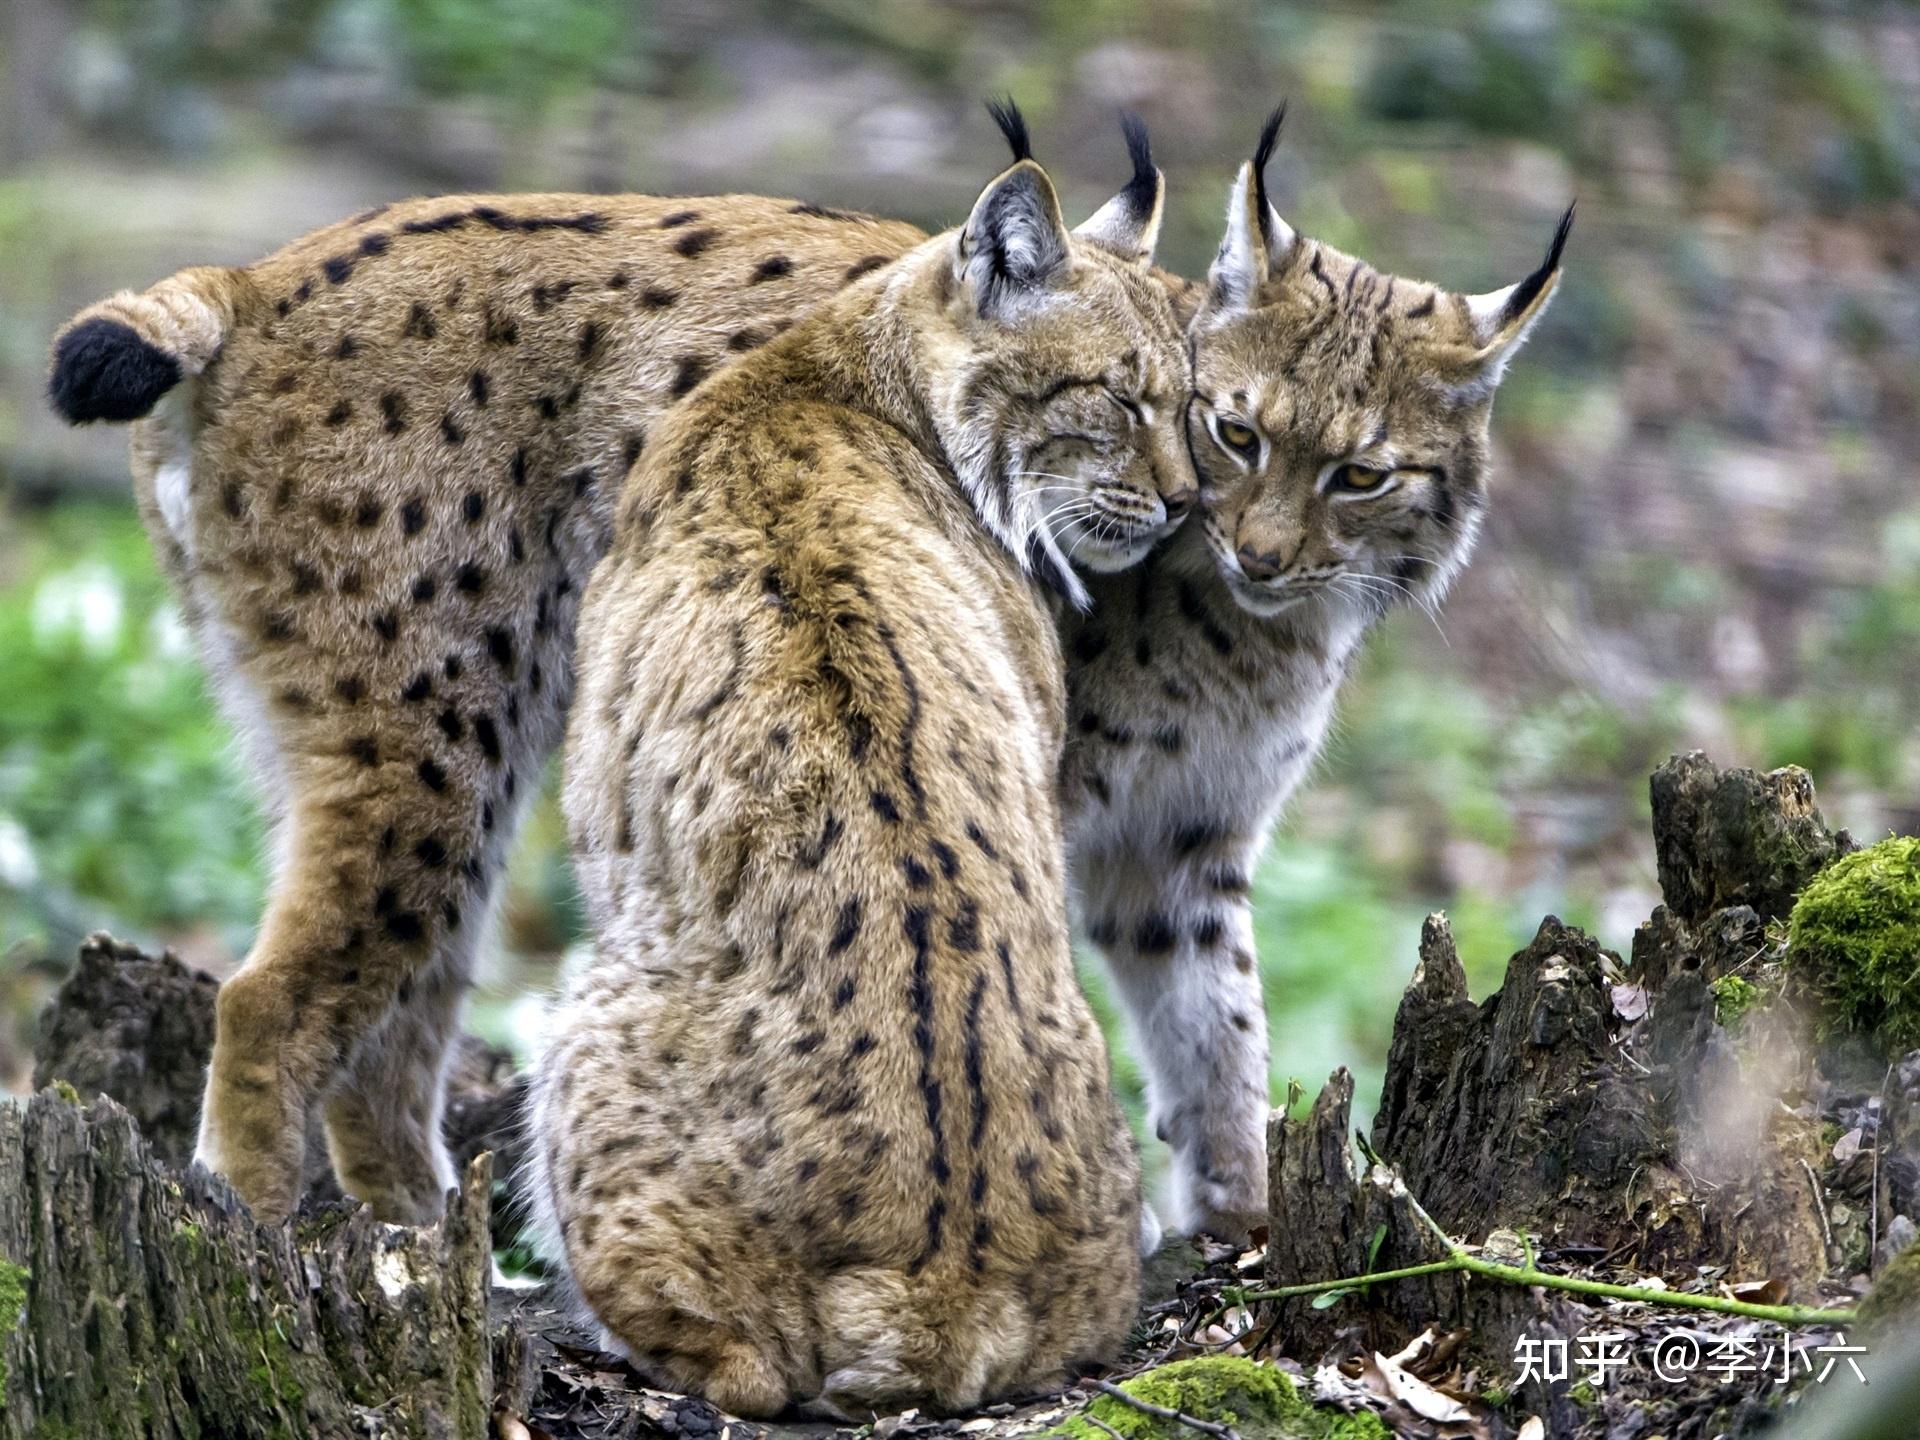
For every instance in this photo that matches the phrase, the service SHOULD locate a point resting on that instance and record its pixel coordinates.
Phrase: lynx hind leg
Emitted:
(385, 863)
(383, 1118)
(1177, 935)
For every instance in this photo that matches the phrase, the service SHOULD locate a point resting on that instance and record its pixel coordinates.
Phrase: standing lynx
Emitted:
(826, 1116)
(381, 468)
(1340, 426)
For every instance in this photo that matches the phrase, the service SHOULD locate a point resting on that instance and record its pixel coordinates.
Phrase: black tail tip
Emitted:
(1013, 125)
(103, 370)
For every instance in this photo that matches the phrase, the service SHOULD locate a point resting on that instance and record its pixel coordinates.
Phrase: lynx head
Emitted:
(1339, 421)
(1061, 376)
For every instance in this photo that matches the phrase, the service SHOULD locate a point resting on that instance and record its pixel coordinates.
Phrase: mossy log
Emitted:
(140, 1301)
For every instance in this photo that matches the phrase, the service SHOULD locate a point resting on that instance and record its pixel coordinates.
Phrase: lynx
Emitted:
(1340, 426)
(827, 1117)
(553, 331)
(381, 468)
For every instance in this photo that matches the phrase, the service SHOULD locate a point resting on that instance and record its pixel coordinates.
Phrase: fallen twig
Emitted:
(1460, 1261)
(1161, 1412)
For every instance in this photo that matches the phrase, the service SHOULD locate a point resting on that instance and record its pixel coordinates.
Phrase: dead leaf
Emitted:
(1418, 1396)
(1760, 1292)
(510, 1427)
(1534, 1429)
(1847, 1146)
(1629, 1001)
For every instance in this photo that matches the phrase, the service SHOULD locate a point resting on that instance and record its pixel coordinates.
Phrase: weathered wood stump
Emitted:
(147, 1303)
(1602, 1104)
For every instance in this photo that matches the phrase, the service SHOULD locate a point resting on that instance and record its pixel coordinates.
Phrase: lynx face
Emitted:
(1062, 413)
(1340, 416)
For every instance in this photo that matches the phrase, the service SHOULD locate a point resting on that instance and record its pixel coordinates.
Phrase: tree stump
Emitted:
(1603, 1104)
(136, 1301)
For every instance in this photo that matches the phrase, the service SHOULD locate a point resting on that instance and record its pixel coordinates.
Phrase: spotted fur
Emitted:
(826, 1118)
(1203, 682)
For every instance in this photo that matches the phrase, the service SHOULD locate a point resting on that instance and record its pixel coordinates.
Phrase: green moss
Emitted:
(1895, 1296)
(13, 1304)
(1583, 1394)
(1733, 997)
(1257, 1400)
(66, 1092)
(1854, 936)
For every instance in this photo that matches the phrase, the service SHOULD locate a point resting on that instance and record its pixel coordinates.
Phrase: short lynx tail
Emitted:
(114, 360)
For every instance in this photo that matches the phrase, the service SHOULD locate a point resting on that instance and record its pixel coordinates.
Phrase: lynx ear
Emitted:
(1258, 241)
(1014, 242)
(1129, 224)
(1502, 318)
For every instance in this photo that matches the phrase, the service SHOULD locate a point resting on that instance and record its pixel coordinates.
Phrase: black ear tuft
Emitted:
(1262, 153)
(1013, 125)
(103, 370)
(1528, 290)
(1145, 184)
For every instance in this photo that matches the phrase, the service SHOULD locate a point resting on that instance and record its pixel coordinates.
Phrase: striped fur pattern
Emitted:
(826, 1118)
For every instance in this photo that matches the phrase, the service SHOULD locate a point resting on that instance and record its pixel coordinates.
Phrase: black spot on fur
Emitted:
(103, 370)
(470, 579)
(386, 625)
(393, 407)
(451, 725)
(413, 518)
(1154, 935)
(365, 749)
(487, 737)
(693, 369)
(500, 647)
(432, 776)
(473, 507)
(404, 926)
(341, 412)
(771, 268)
(846, 927)
(418, 689)
(450, 430)
(658, 297)
(338, 269)
(420, 324)
(431, 852)
(694, 242)
(884, 807)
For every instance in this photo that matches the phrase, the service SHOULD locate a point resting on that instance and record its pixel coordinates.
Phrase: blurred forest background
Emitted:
(1707, 522)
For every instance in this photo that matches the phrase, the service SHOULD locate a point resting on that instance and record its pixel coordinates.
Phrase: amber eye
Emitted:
(1356, 480)
(1239, 438)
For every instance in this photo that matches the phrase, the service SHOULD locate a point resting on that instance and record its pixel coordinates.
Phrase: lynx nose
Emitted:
(1178, 502)
(1259, 564)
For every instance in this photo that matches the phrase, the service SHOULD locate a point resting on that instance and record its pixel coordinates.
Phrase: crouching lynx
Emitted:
(827, 1117)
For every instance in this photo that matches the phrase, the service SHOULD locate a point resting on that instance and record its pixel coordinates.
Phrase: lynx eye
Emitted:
(1130, 407)
(1238, 438)
(1356, 480)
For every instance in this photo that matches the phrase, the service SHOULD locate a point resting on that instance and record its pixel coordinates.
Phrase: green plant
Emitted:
(1854, 936)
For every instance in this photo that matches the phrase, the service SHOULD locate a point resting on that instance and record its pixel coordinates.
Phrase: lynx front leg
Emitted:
(1177, 935)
